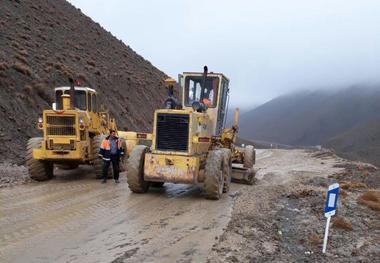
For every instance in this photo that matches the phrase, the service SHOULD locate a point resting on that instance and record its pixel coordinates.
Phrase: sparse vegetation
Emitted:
(351, 185)
(370, 199)
(340, 222)
(22, 59)
(24, 69)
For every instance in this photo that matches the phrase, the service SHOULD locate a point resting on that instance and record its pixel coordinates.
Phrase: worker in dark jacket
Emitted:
(111, 150)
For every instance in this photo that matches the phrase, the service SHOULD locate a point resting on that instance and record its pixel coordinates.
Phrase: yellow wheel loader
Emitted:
(72, 133)
(189, 142)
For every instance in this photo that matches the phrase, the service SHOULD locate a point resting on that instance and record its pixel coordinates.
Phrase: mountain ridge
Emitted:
(316, 118)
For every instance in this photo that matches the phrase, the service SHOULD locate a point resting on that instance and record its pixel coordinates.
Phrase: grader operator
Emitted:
(72, 133)
(189, 142)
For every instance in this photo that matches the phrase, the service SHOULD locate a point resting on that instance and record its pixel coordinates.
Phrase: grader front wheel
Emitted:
(135, 170)
(214, 175)
(227, 169)
(38, 170)
(249, 156)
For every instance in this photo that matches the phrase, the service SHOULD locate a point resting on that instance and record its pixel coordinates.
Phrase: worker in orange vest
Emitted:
(110, 151)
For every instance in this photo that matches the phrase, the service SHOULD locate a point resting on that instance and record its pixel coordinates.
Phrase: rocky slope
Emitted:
(44, 42)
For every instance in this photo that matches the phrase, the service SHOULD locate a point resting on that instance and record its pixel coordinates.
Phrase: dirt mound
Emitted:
(281, 217)
(44, 42)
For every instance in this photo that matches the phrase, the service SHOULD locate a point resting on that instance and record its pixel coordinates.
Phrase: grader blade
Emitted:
(242, 175)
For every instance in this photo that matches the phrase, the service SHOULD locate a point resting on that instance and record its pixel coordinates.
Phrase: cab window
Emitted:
(80, 99)
(89, 101)
(195, 92)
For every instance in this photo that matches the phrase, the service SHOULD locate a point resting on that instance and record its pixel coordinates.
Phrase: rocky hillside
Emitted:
(346, 120)
(360, 143)
(42, 43)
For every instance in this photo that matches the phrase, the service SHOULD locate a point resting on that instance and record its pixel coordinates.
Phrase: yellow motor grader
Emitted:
(72, 133)
(189, 142)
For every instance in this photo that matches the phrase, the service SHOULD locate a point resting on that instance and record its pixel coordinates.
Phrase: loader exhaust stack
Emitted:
(72, 93)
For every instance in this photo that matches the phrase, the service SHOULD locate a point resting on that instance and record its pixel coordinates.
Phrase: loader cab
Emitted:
(213, 95)
(84, 100)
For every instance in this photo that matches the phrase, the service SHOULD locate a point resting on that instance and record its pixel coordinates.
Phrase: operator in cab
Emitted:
(110, 151)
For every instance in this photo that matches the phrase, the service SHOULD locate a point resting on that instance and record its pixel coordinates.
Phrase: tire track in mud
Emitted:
(84, 221)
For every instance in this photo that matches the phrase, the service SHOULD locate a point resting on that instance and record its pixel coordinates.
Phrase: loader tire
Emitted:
(214, 175)
(249, 156)
(38, 170)
(124, 158)
(227, 169)
(135, 170)
(97, 161)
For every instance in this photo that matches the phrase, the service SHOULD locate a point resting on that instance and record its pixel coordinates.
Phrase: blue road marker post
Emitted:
(330, 209)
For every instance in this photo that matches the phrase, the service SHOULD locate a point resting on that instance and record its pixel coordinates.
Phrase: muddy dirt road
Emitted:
(81, 220)
(74, 218)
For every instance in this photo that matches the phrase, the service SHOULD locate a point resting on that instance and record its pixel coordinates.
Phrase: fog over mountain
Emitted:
(267, 48)
(344, 119)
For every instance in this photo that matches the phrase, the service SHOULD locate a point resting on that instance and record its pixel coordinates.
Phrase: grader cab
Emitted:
(72, 132)
(189, 142)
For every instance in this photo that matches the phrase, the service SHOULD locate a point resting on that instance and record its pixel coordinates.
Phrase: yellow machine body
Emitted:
(179, 155)
(67, 132)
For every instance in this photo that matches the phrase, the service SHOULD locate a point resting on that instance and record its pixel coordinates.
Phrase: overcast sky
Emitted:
(266, 48)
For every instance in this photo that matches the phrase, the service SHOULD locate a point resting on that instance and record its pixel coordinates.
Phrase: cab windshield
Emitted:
(195, 92)
(80, 99)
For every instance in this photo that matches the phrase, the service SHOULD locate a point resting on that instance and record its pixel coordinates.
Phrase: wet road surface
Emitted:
(74, 218)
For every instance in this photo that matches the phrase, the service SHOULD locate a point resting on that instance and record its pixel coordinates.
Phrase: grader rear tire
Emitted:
(135, 170)
(214, 175)
(249, 156)
(38, 170)
(227, 169)
(98, 162)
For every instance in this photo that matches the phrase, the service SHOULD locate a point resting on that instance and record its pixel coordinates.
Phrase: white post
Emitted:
(326, 234)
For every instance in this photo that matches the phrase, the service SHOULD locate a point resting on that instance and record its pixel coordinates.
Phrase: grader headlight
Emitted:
(81, 124)
(40, 123)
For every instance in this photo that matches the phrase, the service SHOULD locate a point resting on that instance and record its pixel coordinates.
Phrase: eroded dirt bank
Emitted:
(280, 218)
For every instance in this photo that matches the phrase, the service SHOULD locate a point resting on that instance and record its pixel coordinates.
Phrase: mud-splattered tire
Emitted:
(135, 170)
(124, 158)
(227, 169)
(214, 177)
(38, 170)
(249, 156)
(98, 162)
(251, 177)
(157, 184)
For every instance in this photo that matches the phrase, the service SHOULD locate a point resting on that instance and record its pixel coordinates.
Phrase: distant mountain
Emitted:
(360, 143)
(332, 118)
